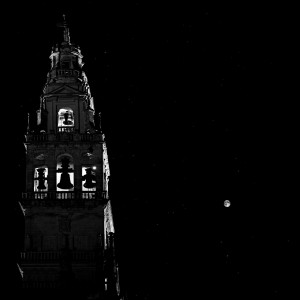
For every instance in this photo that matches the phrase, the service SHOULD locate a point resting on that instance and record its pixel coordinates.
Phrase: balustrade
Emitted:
(67, 73)
(42, 137)
(66, 129)
(50, 256)
(40, 284)
(87, 137)
(55, 256)
(64, 199)
(65, 195)
(64, 134)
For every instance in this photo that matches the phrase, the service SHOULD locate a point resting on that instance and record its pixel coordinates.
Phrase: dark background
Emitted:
(197, 107)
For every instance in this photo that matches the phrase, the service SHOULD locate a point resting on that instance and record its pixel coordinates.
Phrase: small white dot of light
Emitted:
(94, 167)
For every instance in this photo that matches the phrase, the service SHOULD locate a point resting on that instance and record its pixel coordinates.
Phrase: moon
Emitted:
(226, 203)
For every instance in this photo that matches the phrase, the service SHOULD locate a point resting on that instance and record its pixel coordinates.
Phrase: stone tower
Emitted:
(69, 230)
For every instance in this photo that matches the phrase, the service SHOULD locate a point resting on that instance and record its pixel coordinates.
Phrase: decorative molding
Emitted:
(41, 156)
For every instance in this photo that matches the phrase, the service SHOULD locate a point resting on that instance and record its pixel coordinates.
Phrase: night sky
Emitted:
(196, 108)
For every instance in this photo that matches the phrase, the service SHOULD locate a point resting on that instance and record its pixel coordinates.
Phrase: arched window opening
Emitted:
(65, 120)
(88, 181)
(88, 178)
(40, 179)
(65, 174)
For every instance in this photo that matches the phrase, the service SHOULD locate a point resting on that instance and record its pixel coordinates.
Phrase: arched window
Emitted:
(40, 179)
(65, 173)
(65, 120)
(89, 178)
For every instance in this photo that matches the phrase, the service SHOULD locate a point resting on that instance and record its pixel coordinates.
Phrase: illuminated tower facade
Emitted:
(69, 231)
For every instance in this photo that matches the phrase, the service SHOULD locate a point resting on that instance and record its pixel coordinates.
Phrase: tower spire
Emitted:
(66, 30)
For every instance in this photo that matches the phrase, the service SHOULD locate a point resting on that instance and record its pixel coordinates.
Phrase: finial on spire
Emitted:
(66, 30)
(64, 24)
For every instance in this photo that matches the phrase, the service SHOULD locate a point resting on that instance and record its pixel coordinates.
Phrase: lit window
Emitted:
(65, 120)
(88, 178)
(40, 179)
(65, 174)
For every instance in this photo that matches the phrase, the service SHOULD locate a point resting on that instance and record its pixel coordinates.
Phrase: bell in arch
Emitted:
(65, 182)
(41, 179)
(68, 118)
(89, 178)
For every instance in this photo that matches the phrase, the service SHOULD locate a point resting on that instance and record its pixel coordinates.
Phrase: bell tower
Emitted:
(69, 230)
